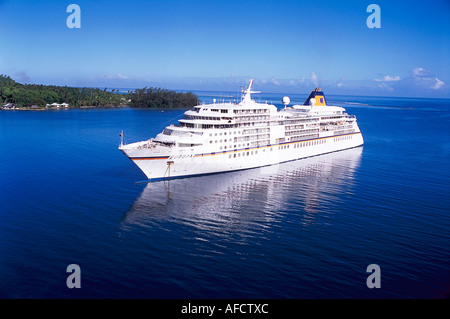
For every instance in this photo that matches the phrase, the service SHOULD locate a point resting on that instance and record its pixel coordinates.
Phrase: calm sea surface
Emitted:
(303, 229)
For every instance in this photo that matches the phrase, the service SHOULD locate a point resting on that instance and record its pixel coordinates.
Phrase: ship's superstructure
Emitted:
(220, 137)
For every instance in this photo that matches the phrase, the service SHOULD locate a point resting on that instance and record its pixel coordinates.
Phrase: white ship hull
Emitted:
(157, 164)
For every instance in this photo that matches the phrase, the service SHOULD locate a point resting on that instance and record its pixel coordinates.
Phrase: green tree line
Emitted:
(162, 98)
(25, 95)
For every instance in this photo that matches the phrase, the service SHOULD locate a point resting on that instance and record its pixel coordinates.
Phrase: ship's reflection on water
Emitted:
(249, 202)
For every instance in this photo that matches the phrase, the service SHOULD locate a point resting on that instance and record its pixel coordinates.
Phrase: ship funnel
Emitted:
(316, 98)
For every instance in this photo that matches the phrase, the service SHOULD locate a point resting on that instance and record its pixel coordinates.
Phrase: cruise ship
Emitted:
(220, 137)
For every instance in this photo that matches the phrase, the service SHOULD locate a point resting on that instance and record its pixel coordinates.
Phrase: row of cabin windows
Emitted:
(259, 140)
(333, 117)
(239, 154)
(303, 144)
(252, 144)
(302, 121)
(252, 111)
(214, 118)
(343, 138)
(225, 126)
(225, 133)
(253, 118)
(218, 141)
(208, 118)
(234, 146)
(316, 142)
(221, 111)
(299, 145)
(281, 147)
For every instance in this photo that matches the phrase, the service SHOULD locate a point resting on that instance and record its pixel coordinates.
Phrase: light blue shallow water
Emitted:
(303, 229)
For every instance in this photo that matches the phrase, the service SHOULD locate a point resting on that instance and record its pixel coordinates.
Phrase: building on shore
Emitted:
(57, 105)
(9, 106)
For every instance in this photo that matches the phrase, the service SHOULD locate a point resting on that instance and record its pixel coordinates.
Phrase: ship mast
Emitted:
(247, 93)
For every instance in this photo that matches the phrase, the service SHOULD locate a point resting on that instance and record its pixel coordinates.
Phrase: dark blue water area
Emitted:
(302, 229)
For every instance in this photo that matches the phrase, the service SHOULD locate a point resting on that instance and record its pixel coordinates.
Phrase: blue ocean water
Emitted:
(303, 229)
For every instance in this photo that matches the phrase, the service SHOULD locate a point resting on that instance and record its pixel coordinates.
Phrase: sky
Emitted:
(285, 46)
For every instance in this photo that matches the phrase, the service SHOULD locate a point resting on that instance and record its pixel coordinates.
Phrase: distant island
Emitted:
(14, 95)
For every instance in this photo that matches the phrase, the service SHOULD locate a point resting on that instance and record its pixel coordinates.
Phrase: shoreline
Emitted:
(40, 109)
(87, 107)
